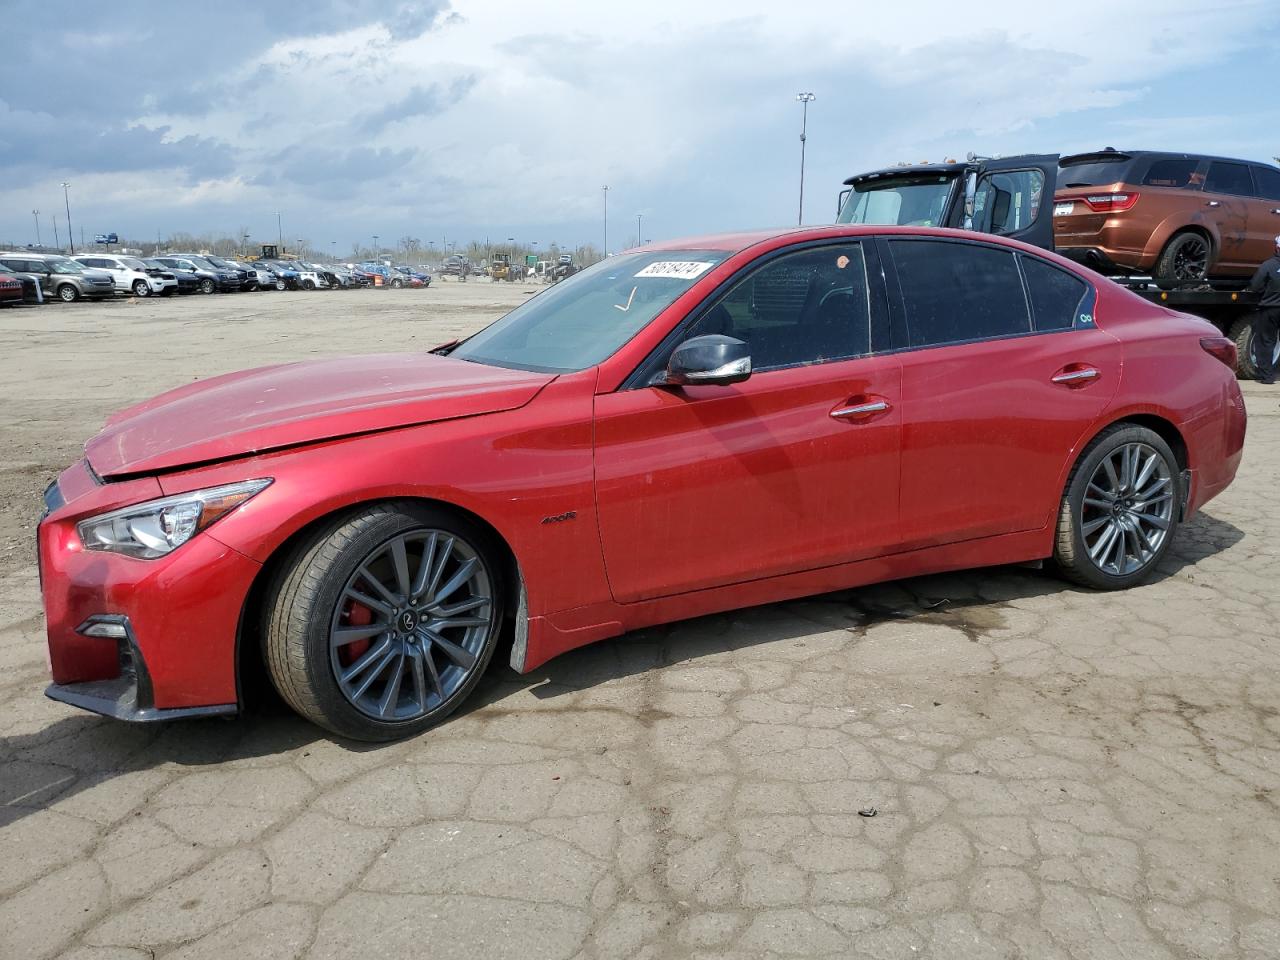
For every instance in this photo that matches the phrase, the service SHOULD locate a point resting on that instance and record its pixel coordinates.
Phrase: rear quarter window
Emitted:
(1178, 172)
(1268, 182)
(1055, 295)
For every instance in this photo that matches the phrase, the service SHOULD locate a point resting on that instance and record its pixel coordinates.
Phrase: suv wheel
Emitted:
(141, 288)
(68, 293)
(206, 285)
(1185, 257)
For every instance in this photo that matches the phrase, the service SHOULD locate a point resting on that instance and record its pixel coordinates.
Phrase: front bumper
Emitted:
(178, 615)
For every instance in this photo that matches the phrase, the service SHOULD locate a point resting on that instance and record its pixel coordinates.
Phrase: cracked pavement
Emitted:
(1056, 773)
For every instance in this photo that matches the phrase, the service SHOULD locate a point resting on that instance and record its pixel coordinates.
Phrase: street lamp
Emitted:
(66, 197)
(280, 231)
(639, 217)
(605, 191)
(375, 246)
(36, 214)
(245, 246)
(805, 99)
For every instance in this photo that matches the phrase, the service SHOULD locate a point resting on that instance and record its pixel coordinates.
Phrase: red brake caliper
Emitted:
(355, 615)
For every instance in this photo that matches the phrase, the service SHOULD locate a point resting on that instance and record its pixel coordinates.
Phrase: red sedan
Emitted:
(680, 429)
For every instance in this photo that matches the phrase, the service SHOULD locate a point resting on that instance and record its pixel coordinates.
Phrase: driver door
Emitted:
(1014, 198)
(795, 468)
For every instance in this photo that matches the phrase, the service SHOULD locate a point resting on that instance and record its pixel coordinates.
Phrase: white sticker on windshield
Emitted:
(681, 269)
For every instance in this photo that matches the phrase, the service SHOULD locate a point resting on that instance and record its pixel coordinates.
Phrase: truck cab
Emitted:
(1009, 196)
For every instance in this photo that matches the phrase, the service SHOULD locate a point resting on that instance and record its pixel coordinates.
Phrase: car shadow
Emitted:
(79, 751)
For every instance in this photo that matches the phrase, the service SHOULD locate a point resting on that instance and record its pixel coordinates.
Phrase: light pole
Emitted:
(300, 245)
(805, 99)
(375, 246)
(66, 197)
(605, 191)
(246, 244)
(639, 217)
(36, 214)
(280, 232)
(57, 244)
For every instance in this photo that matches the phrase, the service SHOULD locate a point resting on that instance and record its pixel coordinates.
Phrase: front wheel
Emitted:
(382, 624)
(1120, 511)
(67, 293)
(206, 286)
(397, 284)
(308, 284)
(141, 288)
(280, 284)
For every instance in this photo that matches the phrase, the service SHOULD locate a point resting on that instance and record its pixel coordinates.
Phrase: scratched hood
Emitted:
(295, 403)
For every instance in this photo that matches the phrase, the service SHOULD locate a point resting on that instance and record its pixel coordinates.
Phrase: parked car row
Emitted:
(34, 278)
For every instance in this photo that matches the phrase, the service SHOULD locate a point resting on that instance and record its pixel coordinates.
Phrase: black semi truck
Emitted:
(1013, 197)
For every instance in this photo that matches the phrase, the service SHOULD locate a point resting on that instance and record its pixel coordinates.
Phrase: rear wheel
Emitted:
(1186, 257)
(141, 288)
(381, 625)
(308, 284)
(68, 293)
(1120, 510)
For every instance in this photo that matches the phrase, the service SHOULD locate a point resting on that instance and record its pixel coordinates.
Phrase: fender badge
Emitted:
(561, 517)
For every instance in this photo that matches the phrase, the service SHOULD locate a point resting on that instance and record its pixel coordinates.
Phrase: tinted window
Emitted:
(1268, 182)
(1173, 172)
(959, 291)
(1007, 201)
(1093, 170)
(1055, 294)
(804, 307)
(1230, 178)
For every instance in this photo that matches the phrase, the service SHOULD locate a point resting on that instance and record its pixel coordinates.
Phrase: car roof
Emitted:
(1111, 153)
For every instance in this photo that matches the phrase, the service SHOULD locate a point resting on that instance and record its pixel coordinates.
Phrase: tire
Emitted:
(1087, 510)
(141, 288)
(308, 284)
(206, 285)
(314, 596)
(397, 284)
(1246, 365)
(280, 284)
(68, 293)
(1188, 256)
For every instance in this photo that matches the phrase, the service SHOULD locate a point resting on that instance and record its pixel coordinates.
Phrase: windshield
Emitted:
(64, 265)
(902, 201)
(202, 263)
(133, 263)
(585, 319)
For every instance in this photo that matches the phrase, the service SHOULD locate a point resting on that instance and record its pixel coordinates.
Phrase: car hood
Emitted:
(269, 408)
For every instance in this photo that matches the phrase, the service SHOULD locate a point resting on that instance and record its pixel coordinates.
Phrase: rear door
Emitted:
(1228, 196)
(1003, 372)
(1264, 212)
(1013, 198)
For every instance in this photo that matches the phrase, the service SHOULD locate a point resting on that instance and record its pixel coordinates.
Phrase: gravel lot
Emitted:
(1057, 773)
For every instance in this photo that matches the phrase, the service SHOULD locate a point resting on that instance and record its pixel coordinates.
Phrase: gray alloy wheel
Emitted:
(397, 283)
(382, 624)
(1121, 508)
(68, 293)
(424, 601)
(280, 284)
(141, 288)
(206, 285)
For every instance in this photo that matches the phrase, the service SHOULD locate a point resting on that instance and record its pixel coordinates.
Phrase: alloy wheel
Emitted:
(1191, 260)
(1127, 509)
(410, 625)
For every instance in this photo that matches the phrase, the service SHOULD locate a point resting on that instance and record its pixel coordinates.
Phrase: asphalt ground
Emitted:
(1055, 773)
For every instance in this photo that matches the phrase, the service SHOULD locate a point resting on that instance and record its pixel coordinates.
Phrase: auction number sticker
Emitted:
(680, 269)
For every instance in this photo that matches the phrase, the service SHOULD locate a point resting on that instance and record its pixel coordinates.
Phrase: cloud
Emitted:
(488, 116)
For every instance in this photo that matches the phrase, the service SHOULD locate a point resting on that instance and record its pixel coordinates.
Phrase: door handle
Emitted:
(860, 410)
(1077, 377)
(1213, 203)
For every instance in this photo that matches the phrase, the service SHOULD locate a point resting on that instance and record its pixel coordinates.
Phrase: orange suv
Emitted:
(1174, 216)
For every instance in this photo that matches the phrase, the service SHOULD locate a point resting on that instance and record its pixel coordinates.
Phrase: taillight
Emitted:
(1111, 202)
(1221, 348)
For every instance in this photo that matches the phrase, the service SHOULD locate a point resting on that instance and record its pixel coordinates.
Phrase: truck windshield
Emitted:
(919, 201)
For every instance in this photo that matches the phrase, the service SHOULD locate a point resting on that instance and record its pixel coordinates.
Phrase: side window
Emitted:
(804, 307)
(1229, 178)
(955, 292)
(1008, 201)
(1055, 294)
(1177, 172)
(1268, 182)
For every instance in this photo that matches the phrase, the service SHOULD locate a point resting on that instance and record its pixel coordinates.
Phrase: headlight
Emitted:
(157, 527)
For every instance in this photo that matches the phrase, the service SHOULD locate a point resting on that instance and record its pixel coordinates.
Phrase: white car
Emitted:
(131, 275)
(266, 279)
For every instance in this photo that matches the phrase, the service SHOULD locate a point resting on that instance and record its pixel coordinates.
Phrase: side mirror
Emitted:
(711, 360)
(844, 198)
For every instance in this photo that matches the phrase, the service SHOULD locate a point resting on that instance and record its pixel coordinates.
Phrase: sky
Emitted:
(467, 120)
